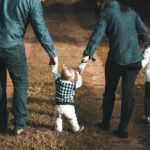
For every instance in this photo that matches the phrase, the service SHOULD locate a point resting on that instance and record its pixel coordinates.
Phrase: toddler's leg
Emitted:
(69, 112)
(58, 122)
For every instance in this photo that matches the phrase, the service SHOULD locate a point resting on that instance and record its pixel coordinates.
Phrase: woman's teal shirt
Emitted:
(125, 32)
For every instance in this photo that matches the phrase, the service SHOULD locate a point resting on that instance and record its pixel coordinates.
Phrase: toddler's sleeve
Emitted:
(79, 81)
(146, 58)
(55, 72)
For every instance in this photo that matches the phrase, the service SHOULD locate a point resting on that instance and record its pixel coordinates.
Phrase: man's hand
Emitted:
(53, 61)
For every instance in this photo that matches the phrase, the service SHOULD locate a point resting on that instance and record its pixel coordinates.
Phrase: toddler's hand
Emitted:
(77, 73)
(83, 63)
(81, 67)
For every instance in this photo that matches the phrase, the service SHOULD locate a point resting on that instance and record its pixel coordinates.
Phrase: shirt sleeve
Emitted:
(96, 36)
(40, 29)
(142, 31)
(55, 72)
(146, 58)
(79, 81)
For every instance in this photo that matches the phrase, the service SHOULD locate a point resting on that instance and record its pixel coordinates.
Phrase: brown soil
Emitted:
(72, 24)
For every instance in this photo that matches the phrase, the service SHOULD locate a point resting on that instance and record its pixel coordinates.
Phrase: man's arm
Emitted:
(40, 29)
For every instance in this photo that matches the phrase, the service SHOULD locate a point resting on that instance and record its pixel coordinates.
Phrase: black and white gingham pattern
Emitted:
(64, 92)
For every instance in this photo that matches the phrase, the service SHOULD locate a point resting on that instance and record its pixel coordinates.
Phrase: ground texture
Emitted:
(70, 25)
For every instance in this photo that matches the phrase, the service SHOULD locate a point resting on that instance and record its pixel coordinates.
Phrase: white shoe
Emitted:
(26, 131)
(80, 129)
(146, 119)
(59, 130)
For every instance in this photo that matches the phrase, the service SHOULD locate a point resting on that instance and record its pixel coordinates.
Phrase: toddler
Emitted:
(146, 65)
(66, 84)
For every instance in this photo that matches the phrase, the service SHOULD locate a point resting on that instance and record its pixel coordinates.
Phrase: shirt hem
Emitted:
(11, 45)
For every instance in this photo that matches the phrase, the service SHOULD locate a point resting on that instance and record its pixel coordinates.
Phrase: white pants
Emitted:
(69, 112)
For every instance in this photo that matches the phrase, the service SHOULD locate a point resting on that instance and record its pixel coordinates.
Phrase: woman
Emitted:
(125, 30)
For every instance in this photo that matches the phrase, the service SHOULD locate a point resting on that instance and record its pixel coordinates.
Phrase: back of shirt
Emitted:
(13, 21)
(14, 18)
(122, 33)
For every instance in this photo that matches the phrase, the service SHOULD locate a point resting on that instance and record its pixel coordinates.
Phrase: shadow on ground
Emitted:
(85, 99)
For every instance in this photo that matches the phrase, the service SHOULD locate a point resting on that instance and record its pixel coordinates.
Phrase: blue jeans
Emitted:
(14, 60)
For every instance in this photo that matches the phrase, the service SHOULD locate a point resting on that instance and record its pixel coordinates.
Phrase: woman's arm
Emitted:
(96, 36)
(94, 41)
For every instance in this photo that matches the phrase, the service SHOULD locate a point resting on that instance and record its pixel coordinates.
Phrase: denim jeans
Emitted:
(113, 73)
(14, 60)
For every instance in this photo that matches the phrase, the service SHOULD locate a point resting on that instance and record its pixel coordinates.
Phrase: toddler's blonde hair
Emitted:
(67, 74)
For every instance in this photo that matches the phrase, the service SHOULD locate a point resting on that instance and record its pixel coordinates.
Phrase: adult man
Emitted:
(14, 18)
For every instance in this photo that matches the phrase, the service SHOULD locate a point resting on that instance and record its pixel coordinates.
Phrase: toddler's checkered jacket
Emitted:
(65, 90)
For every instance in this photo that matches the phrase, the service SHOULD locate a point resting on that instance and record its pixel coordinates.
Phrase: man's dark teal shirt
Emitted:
(122, 30)
(14, 18)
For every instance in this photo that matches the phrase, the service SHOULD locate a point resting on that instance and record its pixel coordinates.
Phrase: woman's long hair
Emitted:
(102, 4)
(124, 5)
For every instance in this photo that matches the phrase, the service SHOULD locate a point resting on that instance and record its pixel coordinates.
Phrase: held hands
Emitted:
(83, 64)
(81, 67)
